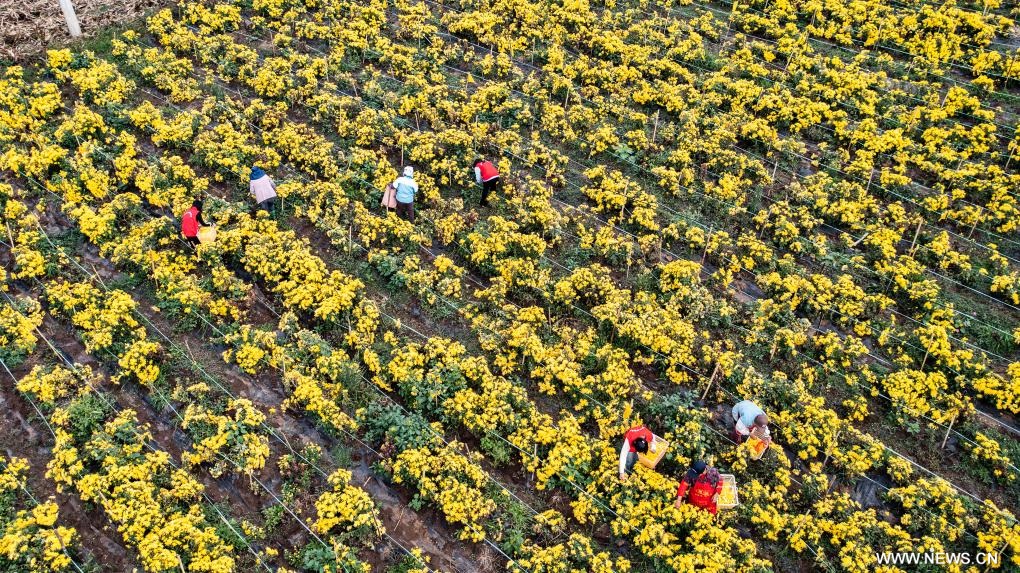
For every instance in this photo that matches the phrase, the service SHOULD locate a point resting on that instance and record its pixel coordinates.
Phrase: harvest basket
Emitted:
(206, 235)
(728, 498)
(652, 458)
(759, 442)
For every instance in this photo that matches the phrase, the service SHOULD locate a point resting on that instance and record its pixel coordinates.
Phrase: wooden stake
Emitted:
(10, 236)
(711, 380)
(999, 554)
(913, 243)
(655, 128)
(828, 451)
(946, 439)
(71, 18)
(708, 239)
(976, 219)
(858, 241)
(536, 457)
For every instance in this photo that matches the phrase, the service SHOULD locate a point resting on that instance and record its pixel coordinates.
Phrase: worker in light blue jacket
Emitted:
(406, 188)
(747, 417)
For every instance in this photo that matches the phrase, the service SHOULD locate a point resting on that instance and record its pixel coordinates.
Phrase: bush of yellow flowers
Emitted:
(30, 537)
(18, 322)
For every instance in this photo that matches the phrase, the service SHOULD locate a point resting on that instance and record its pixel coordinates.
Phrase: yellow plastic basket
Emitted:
(207, 235)
(656, 450)
(728, 498)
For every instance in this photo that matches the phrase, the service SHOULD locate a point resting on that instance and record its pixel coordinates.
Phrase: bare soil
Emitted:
(27, 27)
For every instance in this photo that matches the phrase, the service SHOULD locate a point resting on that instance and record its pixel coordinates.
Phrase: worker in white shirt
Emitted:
(263, 189)
(636, 441)
(406, 188)
(747, 416)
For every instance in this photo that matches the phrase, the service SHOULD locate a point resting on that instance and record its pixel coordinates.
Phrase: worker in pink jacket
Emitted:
(263, 189)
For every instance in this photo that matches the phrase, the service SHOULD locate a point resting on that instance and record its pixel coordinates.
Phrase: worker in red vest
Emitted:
(635, 441)
(700, 487)
(191, 222)
(487, 176)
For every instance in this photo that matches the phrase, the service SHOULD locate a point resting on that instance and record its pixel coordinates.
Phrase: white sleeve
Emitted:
(478, 175)
(624, 450)
(742, 429)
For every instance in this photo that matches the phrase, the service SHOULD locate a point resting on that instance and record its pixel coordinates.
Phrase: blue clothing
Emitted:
(745, 412)
(257, 173)
(406, 188)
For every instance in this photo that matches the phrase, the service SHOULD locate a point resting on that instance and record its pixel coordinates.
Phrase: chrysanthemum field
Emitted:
(811, 204)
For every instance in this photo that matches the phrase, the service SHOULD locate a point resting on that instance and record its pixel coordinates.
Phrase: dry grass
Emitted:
(29, 26)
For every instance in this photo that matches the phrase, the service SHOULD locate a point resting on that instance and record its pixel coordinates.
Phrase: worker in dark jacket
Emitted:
(191, 222)
(487, 176)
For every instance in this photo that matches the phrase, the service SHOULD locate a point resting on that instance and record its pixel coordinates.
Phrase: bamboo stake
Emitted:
(711, 380)
(946, 439)
(976, 219)
(858, 241)
(828, 451)
(913, 244)
(708, 239)
(71, 18)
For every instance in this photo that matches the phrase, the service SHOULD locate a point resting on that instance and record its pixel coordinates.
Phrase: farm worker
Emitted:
(406, 188)
(746, 417)
(635, 441)
(191, 221)
(700, 487)
(487, 176)
(263, 189)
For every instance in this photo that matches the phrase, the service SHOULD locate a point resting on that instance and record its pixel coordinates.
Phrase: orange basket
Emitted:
(656, 450)
(759, 442)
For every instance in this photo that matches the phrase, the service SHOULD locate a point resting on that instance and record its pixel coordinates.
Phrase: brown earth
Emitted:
(29, 26)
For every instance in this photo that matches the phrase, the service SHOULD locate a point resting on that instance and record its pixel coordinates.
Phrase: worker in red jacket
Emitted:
(700, 487)
(191, 222)
(487, 176)
(635, 441)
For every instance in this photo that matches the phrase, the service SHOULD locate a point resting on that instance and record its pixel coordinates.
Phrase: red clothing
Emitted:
(635, 433)
(701, 493)
(189, 222)
(488, 171)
